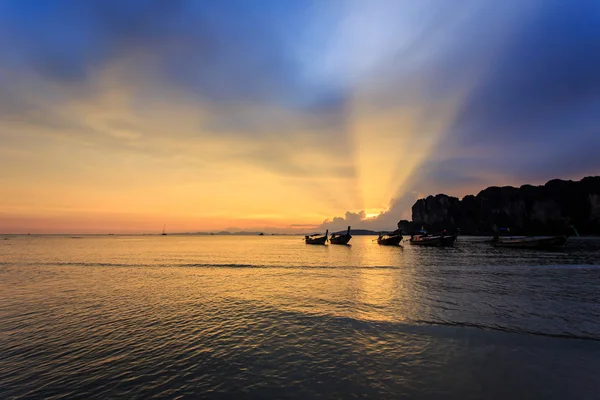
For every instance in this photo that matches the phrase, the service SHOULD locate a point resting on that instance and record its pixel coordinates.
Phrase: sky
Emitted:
(122, 116)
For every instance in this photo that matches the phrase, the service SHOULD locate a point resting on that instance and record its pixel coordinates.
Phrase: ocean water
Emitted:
(180, 317)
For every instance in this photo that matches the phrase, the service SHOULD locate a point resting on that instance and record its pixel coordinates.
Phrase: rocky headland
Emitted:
(549, 209)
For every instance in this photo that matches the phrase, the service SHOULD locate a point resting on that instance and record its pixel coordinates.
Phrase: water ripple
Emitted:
(270, 318)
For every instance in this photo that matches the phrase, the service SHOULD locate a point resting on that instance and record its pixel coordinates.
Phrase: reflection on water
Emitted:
(375, 294)
(184, 316)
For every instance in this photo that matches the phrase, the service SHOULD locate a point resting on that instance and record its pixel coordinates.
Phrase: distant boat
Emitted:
(163, 232)
(261, 234)
(337, 238)
(529, 242)
(438, 240)
(390, 239)
(316, 238)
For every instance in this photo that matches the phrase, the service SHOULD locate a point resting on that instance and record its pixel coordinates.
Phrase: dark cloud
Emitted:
(19, 111)
(533, 112)
(221, 51)
(548, 70)
(229, 57)
(66, 39)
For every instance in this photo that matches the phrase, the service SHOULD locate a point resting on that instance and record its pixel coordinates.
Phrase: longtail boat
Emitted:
(438, 240)
(337, 238)
(390, 239)
(529, 242)
(317, 238)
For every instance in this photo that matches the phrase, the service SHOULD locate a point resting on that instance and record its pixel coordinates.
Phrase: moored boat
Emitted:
(390, 239)
(337, 238)
(316, 238)
(437, 240)
(529, 242)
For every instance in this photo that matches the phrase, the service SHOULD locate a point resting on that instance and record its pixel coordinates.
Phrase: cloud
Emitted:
(216, 51)
(534, 111)
(221, 71)
(385, 221)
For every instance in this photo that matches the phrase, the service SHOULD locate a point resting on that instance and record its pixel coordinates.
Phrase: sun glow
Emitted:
(371, 215)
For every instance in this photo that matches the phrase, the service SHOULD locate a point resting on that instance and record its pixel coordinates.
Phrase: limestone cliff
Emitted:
(550, 208)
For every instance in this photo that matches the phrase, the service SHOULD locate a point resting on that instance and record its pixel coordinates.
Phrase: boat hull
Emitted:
(319, 240)
(531, 242)
(316, 238)
(390, 240)
(434, 241)
(343, 239)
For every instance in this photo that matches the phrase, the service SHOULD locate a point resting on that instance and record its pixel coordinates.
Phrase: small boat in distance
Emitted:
(390, 239)
(316, 238)
(438, 240)
(163, 232)
(529, 242)
(337, 238)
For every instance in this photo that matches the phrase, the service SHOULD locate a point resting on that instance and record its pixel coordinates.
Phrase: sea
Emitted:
(268, 317)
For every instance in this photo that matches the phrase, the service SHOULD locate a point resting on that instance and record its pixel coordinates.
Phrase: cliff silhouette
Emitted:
(548, 209)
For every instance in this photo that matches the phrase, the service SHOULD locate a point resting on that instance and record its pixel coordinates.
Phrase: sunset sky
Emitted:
(285, 116)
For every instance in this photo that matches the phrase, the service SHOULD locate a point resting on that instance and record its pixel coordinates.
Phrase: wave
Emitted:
(507, 329)
(431, 327)
(200, 265)
(499, 270)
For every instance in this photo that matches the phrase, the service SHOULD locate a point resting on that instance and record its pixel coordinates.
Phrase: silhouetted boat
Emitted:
(337, 238)
(439, 240)
(316, 238)
(390, 239)
(261, 234)
(163, 232)
(529, 242)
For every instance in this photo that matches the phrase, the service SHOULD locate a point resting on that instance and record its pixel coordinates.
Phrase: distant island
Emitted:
(549, 209)
(227, 233)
